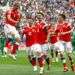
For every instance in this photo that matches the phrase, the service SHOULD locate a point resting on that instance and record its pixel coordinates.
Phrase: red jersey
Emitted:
(40, 24)
(28, 32)
(31, 35)
(34, 35)
(62, 28)
(53, 37)
(13, 17)
(44, 34)
(41, 34)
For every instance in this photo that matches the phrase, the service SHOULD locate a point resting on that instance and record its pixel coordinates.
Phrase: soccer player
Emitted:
(33, 41)
(12, 18)
(64, 30)
(42, 30)
(46, 45)
(29, 32)
(53, 37)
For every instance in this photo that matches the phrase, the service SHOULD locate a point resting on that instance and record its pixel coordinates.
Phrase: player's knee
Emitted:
(34, 58)
(62, 56)
(18, 39)
(51, 50)
(69, 56)
(48, 60)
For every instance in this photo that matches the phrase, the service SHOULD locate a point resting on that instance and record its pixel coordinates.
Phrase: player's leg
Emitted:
(41, 59)
(69, 53)
(52, 52)
(13, 52)
(45, 48)
(7, 46)
(56, 55)
(5, 49)
(71, 62)
(32, 57)
(28, 50)
(56, 51)
(48, 61)
(15, 48)
(11, 33)
(60, 48)
(63, 59)
(16, 42)
(8, 38)
(34, 63)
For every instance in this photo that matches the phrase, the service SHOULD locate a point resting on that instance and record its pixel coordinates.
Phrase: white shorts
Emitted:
(22, 46)
(8, 29)
(59, 46)
(45, 47)
(29, 51)
(52, 47)
(68, 47)
(36, 48)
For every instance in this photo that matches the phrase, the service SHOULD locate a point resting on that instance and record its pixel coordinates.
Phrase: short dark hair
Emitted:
(40, 13)
(63, 16)
(16, 4)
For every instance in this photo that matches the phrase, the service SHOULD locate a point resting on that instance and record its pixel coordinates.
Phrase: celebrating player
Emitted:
(42, 40)
(12, 18)
(64, 30)
(30, 33)
(53, 39)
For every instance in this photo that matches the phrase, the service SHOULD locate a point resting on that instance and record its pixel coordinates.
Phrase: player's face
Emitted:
(60, 19)
(53, 27)
(39, 17)
(16, 7)
(30, 23)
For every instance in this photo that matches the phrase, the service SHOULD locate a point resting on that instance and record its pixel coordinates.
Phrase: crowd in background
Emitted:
(50, 9)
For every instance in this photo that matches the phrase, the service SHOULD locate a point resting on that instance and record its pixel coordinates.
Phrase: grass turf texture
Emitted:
(21, 66)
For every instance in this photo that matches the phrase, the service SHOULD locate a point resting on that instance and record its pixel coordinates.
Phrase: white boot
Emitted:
(53, 59)
(35, 68)
(14, 57)
(41, 70)
(5, 49)
(56, 59)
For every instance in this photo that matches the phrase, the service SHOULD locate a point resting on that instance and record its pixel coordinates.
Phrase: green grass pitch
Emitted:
(21, 66)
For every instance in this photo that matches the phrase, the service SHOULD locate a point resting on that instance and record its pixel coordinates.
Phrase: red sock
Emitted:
(7, 44)
(65, 65)
(33, 61)
(15, 47)
(41, 61)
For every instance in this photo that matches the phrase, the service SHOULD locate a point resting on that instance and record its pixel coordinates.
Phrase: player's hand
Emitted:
(63, 33)
(46, 40)
(51, 33)
(12, 33)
